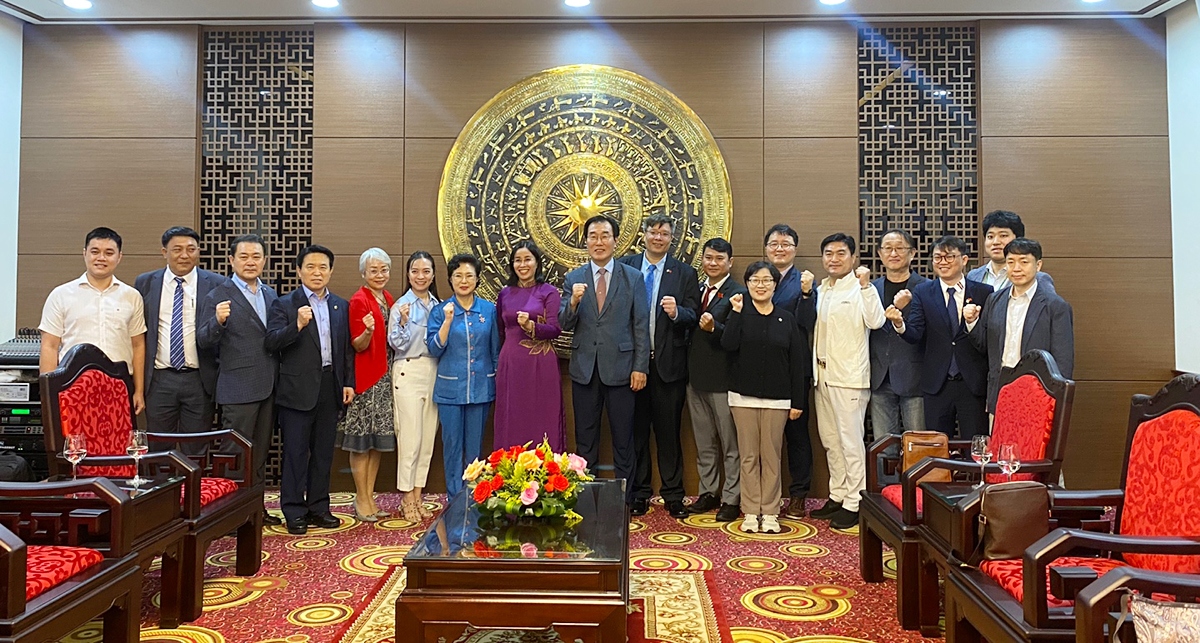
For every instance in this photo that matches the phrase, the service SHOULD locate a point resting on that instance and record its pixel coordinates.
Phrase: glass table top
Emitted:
(461, 531)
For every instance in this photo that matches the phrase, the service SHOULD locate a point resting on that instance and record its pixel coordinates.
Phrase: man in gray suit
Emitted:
(1020, 318)
(180, 376)
(604, 303)
(234, 324)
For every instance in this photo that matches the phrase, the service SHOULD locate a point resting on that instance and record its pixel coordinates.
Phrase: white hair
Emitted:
(373, 254)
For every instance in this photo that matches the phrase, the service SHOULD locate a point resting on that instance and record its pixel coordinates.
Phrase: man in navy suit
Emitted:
(604, 303)
(234, 324)
(896, 402)
(180, 376)
(672, 297)
(953, 371)
(1023, 317)
(310, 330)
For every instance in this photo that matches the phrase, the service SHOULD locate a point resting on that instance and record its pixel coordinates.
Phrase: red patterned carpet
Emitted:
(800, 586)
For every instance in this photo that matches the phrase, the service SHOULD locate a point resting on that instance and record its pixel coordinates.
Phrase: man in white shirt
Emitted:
(180, 376)
(840, 315)
(97, 308)
(999, 228)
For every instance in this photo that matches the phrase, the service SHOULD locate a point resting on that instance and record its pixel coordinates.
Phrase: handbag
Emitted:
(14, 468)
(1012, 516)
(918, 445)
(1158, 621)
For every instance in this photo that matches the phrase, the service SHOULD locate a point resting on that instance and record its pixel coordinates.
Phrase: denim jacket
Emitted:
(467, 363)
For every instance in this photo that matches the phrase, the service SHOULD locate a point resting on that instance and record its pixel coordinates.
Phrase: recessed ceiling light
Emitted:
(1092, 1)
(78, 5)
(832, 2)
(325, 4)
(577, 3)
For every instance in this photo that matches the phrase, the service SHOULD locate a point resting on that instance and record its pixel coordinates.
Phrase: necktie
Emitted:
(177, 358)
(650, 287)
(601, 288)
(955, 325)
(708, 291)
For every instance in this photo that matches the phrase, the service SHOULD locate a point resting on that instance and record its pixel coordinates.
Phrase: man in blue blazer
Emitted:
(1023, 317)
(180, 376)
(896, 401)
(672, 297)
(310, 330)
(233, 323)
(604, 303)
(953, 370)
(999, 228)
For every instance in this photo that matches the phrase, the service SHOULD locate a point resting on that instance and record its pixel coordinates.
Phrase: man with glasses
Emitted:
(896, 403)
(780, 249)
(605, 304)
(954, 370)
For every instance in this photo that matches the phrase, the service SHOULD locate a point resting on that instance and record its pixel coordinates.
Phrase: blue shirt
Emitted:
(658, 273)
(320, 306)
(256, 297)
(408, 340)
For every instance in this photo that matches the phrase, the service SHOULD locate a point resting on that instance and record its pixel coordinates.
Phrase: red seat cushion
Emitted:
(894, 494)
(1009, 574)
(47, 566)
(97, 405)
(1161, 497)
(213, 488)
(1024, 417)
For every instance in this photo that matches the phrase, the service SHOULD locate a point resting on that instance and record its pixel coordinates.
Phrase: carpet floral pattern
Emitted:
(693, 581)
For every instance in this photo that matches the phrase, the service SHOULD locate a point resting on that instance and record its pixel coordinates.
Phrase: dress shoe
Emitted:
(704, 504)
(297, 527)
(639, 507)
(826, 511)
(324, 521)
(677, 510)
(844, 519)
(271, 520)
(728, 513)
(795, 508)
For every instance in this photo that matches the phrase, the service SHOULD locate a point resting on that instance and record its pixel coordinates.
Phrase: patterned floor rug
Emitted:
(799, 586)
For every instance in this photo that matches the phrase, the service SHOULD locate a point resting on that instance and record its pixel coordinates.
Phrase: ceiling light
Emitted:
(832, 2)
(325, 4)
(577, 3)
(79, 5)
(940, 92)
(1092, 1)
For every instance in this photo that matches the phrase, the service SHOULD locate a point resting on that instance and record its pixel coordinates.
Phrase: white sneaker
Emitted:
(750, 524)
(770, 524)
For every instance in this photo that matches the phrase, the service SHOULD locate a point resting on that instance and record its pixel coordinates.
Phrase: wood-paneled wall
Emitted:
(1073, 118)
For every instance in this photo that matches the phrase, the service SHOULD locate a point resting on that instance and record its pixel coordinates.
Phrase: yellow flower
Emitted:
(528, 461)
(474, 470)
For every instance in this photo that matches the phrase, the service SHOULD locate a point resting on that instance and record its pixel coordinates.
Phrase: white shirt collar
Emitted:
(1028, 295)
(83, 281)
(717, 286)
(189, 278)
(958, 287)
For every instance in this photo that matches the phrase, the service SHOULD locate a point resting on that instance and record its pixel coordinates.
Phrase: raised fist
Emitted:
(894, 315)
(669, 307)
(524, 322)
(369, 322)
(864, 276)
(577, 293)
(706, 322)
(404, 310)
(448, 309)
(303, 316)
(970, 313)
(222, 312)
(902, 299)
(736, 302)
(806, 281)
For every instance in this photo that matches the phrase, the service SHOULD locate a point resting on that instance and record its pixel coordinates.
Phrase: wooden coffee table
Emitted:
(467, 575)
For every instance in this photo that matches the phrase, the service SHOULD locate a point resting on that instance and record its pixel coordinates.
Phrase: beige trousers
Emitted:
(840, 416)
(760, 444)
(416, 419)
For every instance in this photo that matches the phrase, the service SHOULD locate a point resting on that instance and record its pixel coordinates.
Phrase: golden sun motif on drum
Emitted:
(578, 198)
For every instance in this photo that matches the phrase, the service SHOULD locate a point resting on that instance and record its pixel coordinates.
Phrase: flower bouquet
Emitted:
(520, 481)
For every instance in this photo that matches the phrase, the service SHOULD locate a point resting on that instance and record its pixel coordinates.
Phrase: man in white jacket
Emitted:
(840, 314)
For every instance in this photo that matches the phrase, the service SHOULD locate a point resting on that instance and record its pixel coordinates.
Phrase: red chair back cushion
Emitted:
(47, 566)
(213, 488)
(1162, 488)
(1024, 417)
(97, 405)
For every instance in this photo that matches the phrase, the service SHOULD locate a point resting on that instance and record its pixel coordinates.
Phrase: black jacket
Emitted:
(773, 359)
(300, 350)
(247, 370)
(710, 365)
(679, 280)
(891, 356)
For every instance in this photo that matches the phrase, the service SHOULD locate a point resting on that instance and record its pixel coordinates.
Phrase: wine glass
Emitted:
(75, 450)
(981, 452)
(1009, 459)
(137, 447)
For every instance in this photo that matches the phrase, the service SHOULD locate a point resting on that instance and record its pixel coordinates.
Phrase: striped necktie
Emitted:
(178, 361)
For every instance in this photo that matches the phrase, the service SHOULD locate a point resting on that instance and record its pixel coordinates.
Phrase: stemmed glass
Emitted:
(75, 450)
(1009, 459)
(137, 448)
(981, 452)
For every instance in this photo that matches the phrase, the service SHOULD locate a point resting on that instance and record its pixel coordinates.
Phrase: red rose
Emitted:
(482, 491)
(560, 483)
(539, 454)
(496, 456)
(514, 452)
(497, 482)
(552, 468)
(549, 487)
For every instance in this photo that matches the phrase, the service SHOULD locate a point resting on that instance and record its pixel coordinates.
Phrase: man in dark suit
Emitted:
(896, 402)
(180, 376)
(310, 330)
(709, 368)
(1023, 317)
(953, 371)
(234, 324)
(672, 297)
(604, 303)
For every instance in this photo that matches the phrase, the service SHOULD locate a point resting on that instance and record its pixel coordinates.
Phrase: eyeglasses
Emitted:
(945, 258)
(658, 234)
(378, 272)
(755, 281)
(894, 250)
(775, 245)
(591, 238)
(458, 276)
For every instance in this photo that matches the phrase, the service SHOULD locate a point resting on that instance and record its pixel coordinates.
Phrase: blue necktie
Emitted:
(955, 325)
(177, 359)
(650, 287)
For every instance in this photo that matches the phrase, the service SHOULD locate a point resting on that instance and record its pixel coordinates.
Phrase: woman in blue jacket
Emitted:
(464, 337)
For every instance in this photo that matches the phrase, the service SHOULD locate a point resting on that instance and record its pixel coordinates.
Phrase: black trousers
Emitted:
(799, 451)
(955, 405)
(659, 408)
(254, 421)
(308, 438)
(176, 403)
(589, 401)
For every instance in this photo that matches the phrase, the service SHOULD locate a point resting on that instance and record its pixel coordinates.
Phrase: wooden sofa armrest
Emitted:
(222, 463)
(174, 461)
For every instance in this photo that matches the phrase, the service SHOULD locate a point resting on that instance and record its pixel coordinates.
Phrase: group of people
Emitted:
(375, 374)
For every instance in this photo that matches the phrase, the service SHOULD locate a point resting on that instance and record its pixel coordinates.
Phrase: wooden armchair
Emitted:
(1095, 603)
(1033, 410)
(1155, 528)
(91, 394)
(52, 586)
